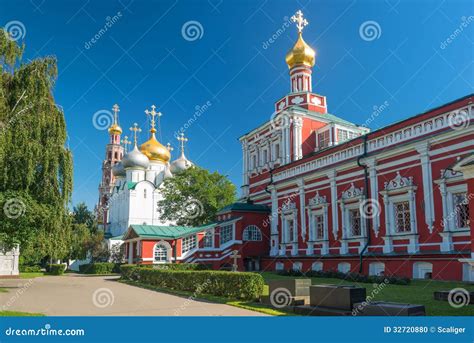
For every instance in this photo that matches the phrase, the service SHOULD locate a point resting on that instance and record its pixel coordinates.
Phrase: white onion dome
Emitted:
(135, 160)
(180, 164)
(118, 170)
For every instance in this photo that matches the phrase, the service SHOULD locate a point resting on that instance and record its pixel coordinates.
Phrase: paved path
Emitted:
(77, 295)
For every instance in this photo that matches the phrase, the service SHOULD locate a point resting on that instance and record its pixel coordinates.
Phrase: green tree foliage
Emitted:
(194, 196)
(35, 166)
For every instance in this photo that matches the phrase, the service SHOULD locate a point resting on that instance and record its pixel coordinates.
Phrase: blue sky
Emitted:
(143, 58)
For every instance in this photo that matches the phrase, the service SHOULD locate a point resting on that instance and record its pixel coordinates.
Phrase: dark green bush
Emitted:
(248, 286)
(55, 269)
(354, 277)
(99, 268)
(30, 269)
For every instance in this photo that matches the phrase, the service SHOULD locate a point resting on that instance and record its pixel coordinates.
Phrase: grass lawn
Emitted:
(248, 305)
(19, 314)
(417, 292)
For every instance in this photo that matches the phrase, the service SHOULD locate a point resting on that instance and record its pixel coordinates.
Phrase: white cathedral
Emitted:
(132, 180)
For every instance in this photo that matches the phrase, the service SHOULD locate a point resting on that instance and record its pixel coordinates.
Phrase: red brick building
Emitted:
(321, 193)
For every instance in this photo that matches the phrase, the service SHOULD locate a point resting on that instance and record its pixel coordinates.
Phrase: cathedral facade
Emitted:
(322, 193)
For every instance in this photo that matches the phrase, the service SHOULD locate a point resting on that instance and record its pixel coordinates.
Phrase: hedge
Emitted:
(55, 269)
(355, 277)
(247, 286)
(30, 269)
(182, 266)
(99, 268)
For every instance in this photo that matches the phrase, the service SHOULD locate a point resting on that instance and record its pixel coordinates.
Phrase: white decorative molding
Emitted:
(317, 200)
(382, 143)
(288, 206)
(297, 100)
(352, 192)
(282, 105)
(398, 182)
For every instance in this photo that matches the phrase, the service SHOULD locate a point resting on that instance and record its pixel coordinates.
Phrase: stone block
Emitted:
(383, 308)
(296, 287)
(336, 296)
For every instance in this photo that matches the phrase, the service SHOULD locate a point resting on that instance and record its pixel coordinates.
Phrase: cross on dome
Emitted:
(126, 143)
(169, 147)
(153, 114)
(135, 129)
(116, 110)
(182, 140)
(299, 20)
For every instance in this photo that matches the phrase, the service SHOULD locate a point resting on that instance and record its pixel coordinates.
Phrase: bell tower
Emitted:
(113, 155)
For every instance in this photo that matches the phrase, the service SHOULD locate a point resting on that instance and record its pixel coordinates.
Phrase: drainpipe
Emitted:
(366, 194)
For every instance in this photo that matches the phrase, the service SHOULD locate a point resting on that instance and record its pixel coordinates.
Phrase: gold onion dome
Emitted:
(115, 129)
(301, 54)
(154, 150)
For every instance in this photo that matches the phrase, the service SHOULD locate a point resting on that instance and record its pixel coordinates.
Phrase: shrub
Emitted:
(354, 277)
(55, 269)
(248, 286)
(30, 269)
(99, 268)
(182, 266)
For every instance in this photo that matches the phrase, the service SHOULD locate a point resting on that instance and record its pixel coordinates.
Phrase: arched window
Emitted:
(344, 267)
(160, 253)
(422, 270)
(252, 233)
(317, 266)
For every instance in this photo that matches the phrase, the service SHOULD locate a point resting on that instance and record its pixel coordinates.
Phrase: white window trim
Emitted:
(247, 228)
(228, 243)
(186, 253)
(212, 233)
(389, 202)
(168, 252)
(451, 219)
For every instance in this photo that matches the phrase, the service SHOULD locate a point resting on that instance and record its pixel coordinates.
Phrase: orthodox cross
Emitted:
(235, 255)
(182, 140)
(126, 143)
(299, 20)
(116, 110)
(153, 114)
(169, 147)
(135, 129)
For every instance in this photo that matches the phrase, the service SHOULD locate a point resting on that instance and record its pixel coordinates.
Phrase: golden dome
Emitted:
(301, 53)
(154, 150)
(115, 129)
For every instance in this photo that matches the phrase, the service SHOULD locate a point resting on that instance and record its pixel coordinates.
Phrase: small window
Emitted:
(252, 233)
(208, 239)
(189, 243)
(161, 253)
(226, 234)
(461, 208)
(290, 227)
(354, 219)
(402, 216)
(277, 151)
(323, 139)
(319, 225)
(115, 155)
(342, 135)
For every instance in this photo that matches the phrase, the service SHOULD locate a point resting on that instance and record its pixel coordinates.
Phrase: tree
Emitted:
(194, 196)
(35, 166)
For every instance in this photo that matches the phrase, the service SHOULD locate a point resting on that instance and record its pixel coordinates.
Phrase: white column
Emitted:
(446, 245)
(387, 248)
(274, 223)
(413, 246)
(302, 209)
(245, 168)
(332, 180)
(297, 138)
(374, 191)
(423, 150)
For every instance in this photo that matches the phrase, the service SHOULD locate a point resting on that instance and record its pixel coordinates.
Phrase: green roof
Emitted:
(245, 207)
(170, 232)
(116, 238)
